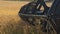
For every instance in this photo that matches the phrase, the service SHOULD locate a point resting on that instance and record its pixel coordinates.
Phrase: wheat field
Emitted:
(10, 22)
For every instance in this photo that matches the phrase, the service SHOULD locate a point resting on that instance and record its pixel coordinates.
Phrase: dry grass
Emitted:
(10, 22)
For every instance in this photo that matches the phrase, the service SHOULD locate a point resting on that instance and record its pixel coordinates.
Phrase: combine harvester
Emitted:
(49, 17)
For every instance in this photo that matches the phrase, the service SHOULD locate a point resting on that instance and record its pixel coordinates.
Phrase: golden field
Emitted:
(10, 9)
(10, 22)
(9, 18)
